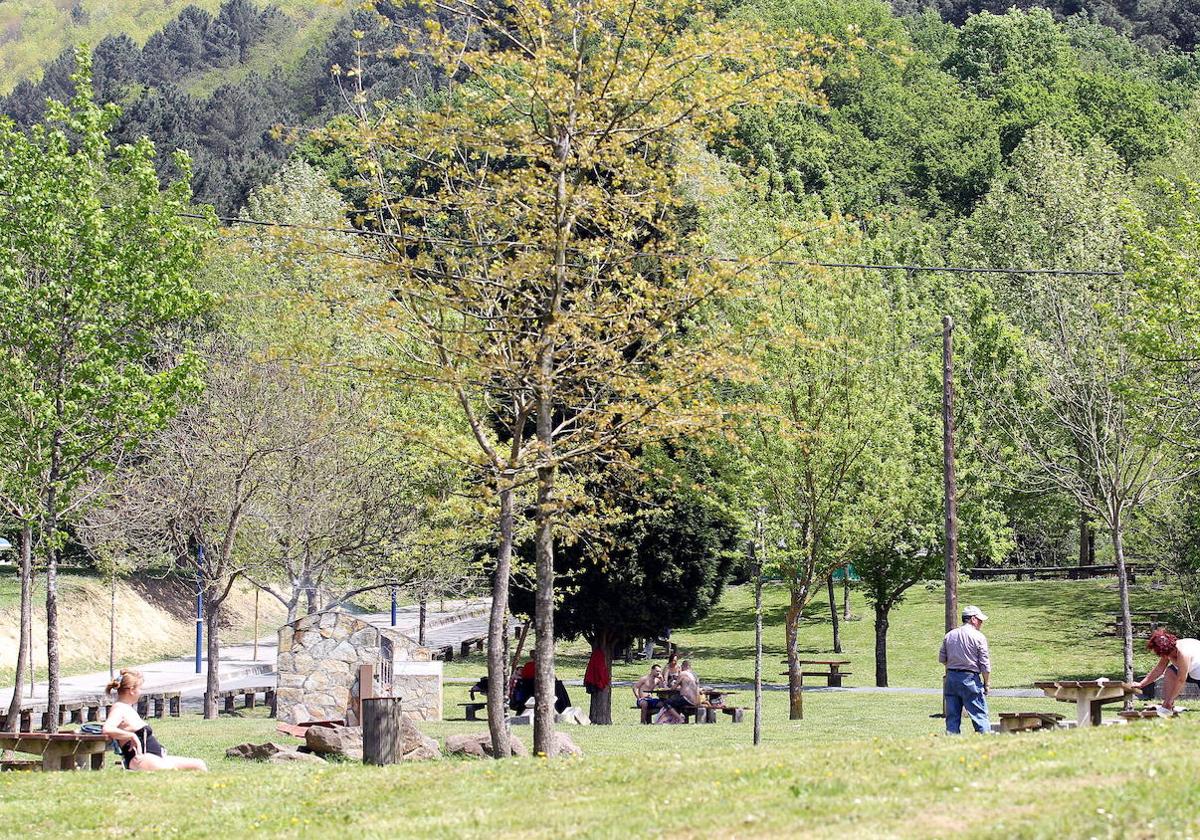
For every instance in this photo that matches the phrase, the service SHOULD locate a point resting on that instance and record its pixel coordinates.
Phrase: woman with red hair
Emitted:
(1178, 658)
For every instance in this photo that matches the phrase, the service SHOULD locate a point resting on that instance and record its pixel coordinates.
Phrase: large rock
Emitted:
(563, 745)
(479, 745)
(417, 746)
(257, 752)
(340, 741)
(573, 715)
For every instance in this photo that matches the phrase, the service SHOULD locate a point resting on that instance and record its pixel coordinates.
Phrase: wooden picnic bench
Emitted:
(59, 750)
(697, 714)
(472, 709)
(1060, 572)
(1028, 721)
(164, 702)
(249, 695)
(832, 674)
(69, 711)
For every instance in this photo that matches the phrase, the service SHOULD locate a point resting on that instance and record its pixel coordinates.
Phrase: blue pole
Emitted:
(199, 606)
(393, 606)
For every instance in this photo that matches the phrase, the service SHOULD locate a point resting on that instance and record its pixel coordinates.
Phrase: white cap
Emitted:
(973, 612)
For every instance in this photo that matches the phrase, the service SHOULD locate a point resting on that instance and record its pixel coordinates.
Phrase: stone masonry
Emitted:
(318, 666)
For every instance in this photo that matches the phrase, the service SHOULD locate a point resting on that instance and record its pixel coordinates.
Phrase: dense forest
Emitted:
(924, 121)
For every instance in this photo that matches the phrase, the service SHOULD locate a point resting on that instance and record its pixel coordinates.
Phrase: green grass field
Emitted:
(859, 764)
(1036, 631)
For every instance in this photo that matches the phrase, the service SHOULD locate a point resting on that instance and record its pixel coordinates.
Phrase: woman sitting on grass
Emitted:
(1179, 659)
(140, 750)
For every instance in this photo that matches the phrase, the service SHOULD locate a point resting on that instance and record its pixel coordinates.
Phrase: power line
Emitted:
(1074, 272)
(502, 243)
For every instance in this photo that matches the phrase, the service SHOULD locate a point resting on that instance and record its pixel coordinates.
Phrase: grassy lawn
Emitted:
(1042, 630)
(859, 765)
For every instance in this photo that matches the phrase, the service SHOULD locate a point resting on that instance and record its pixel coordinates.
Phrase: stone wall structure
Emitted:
(319, 661)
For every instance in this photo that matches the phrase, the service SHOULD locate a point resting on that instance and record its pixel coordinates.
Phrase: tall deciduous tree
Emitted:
(1082, 417)
(541, 268)
(95, 273)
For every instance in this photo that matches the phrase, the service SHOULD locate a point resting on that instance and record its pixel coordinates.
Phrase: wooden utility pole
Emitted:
(950, 480)
(758, 549)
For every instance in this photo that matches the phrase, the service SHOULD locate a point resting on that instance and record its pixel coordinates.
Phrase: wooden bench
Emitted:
(59, 750)
(1028, 721)
(464, 647)
(735, 712)
(832, 674)
(471, 709)
(164, 702)
(249, 696)
(1060, 572)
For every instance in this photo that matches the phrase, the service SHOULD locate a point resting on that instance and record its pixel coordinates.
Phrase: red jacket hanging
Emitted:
(597, 677)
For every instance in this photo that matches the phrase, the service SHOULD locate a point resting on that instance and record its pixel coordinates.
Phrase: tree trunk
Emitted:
(881, 628)
(543, 721)
(600, 707)
(833, 615)
(213, 680)
(52, 657)
(846, 592)
(421, 606)
(1118, 541)
(25, 641)
(796, 698)
(310, 590)
(497, 676)
(1087, 539)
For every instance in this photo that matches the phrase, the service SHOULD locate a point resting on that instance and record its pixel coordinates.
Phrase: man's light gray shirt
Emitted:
(965, 649)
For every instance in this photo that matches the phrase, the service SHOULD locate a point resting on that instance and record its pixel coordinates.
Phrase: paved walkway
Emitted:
(240, 667)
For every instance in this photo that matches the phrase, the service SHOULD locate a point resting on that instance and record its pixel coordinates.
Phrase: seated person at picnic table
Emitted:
(1178, 658)
(140, 750)
(689, 688)
(642, 688)
(671, 673)
(524, 684)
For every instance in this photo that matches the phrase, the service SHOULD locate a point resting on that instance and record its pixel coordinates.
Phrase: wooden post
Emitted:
(951, 487)
(758, 547)
(382, 730)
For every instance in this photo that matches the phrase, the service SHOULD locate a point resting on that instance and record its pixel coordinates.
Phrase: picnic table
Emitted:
(1087, 695)
(833, 673)
(704, 714)
(59, 750)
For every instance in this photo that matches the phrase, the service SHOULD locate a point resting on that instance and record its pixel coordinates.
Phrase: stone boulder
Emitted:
(295, 757)
(573, 715)
(563, 745)
(257, 752)
(479, 745)
(416, 745)
(338, 741)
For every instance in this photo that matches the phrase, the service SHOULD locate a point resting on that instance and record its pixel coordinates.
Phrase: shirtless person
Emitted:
(643, 691)
(689, 688)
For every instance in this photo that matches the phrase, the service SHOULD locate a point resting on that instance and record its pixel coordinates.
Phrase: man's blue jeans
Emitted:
(964, 691)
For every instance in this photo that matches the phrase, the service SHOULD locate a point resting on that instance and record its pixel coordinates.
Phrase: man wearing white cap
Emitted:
(965, 654)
